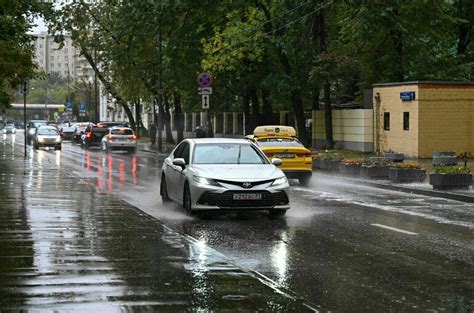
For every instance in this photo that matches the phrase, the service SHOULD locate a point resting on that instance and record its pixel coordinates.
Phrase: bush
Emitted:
(447, 169)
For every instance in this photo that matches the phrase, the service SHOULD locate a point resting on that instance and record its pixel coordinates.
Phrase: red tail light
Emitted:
(134, 137)
(304, 155)
(89, 135)
(111, 137)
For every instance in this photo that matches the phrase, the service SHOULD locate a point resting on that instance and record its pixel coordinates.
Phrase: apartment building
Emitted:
(53, 58)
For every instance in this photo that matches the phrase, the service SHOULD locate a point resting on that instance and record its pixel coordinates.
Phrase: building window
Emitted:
(386, 121)
(406, 120)
(52, 65)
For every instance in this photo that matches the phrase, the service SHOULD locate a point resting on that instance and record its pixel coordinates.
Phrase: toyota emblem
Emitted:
(247, 185)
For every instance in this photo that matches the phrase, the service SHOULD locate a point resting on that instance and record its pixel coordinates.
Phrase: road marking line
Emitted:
(395, 229)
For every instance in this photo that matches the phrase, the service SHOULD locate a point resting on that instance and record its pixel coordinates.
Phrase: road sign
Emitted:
(205, 90)
(69, 106)
(204, 80)
(205, 102)
(82, 107)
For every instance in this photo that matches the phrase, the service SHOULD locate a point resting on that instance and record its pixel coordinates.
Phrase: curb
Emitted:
(423, 192)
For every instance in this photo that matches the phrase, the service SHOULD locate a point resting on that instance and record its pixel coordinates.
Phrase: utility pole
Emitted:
(24, 90)
(46, 98)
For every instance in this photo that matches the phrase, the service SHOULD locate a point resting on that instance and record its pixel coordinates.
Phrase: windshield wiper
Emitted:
(240, 152)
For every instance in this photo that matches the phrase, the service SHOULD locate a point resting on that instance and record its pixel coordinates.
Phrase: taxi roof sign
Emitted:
(274, 130)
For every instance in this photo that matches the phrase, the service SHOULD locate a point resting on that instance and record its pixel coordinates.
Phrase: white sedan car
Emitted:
(120, 138)
(223, 174)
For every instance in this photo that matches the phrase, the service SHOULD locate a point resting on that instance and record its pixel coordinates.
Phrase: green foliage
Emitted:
(16, 53)
(450, 169)
(153, 49)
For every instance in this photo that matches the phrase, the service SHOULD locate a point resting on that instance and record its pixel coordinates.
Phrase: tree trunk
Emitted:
(169, 131)
(328, 115)
(108, 86)
(179, 117)
(326, 87)
(246, 107)
(296, 98)
(267, 107)
(137, 117)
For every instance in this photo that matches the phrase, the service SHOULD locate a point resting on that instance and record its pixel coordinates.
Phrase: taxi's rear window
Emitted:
(287, 142)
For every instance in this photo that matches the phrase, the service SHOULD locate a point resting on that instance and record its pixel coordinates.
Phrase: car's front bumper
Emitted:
(206, 197)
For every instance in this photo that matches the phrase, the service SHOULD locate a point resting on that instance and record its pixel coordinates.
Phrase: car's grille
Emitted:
(226, 199)
(242, 184)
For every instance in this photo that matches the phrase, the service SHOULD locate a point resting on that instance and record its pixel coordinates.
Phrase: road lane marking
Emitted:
(394, 229)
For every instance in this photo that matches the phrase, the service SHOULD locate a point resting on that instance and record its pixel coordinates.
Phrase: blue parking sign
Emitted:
(69, 106)
(82, 107)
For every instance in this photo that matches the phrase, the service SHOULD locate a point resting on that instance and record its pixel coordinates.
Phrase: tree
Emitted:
(16, 52)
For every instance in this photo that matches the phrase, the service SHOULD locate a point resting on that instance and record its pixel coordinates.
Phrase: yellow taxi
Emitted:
(281, 142)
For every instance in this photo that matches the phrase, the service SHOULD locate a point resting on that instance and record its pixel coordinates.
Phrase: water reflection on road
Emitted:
(325, 250)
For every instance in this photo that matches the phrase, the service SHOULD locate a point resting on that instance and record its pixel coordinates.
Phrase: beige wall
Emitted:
(352, 129)
(396, 138)
(446, 119)
(441, 118)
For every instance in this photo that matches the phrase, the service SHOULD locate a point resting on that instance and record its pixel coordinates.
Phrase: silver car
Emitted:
(120, 138)
(209, 174)
(47, 136)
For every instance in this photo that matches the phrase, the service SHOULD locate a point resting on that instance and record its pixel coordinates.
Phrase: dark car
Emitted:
(32, 126)
(93, 136)
(67, 133)
(78, 132)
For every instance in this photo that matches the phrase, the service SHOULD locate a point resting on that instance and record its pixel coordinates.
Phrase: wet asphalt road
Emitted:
(341, 247)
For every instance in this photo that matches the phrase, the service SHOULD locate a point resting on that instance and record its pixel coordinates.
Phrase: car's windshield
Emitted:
(288, 142)
(227, 153)
(121, 131)
(47, 131)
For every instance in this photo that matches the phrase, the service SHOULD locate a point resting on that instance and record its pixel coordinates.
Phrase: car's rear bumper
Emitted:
(121, 144)
(297, 173)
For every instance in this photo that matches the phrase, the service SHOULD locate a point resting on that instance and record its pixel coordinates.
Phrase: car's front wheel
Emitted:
(277, 212)
(164, 190)
(187, 204)
(305, 179)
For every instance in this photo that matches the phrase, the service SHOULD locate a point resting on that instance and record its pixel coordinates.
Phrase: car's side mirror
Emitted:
(276, 161)
(179, 162)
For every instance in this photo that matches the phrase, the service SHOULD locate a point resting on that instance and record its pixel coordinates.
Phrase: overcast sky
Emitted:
(40, 26)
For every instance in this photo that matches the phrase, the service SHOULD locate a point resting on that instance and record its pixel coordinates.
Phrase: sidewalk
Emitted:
(66, 247)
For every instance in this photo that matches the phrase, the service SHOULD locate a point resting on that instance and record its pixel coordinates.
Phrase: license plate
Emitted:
(285, 155)
(247, 196)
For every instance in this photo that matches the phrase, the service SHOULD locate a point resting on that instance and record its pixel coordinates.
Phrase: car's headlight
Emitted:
(58, 139)
(280, 181)
(40, 139)
(205, 181)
